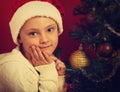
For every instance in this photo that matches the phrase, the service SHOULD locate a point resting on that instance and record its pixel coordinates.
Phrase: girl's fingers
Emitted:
(60, 66)
(34, 53)
(33, 59)
(42, 58)
(38, 57)
(41, 55)
(47, 57)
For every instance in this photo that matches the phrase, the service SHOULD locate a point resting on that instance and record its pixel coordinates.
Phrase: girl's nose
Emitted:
(43, 39)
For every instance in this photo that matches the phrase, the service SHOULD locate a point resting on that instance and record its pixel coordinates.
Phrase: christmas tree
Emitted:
(99, 34)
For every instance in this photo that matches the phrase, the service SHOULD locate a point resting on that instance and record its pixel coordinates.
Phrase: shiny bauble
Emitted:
(105, 49)
(78, 59)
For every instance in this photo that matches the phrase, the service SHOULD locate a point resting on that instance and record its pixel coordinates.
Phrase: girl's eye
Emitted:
(50, 29)
(33, 33)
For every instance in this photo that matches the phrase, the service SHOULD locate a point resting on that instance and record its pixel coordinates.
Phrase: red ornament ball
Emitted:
(105, 49)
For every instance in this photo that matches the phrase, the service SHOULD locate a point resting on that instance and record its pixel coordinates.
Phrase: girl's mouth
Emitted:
(45, 47)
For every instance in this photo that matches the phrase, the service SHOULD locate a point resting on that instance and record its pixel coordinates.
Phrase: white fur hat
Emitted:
(31, 9)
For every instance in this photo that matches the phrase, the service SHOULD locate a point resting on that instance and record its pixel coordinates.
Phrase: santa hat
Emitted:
(32, 9)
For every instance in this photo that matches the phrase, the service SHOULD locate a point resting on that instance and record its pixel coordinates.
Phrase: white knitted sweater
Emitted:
(18, 75)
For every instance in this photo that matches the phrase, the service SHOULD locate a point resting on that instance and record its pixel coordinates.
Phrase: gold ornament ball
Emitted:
(78, 59)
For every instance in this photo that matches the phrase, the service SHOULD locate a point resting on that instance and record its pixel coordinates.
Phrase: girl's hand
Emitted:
(38, 57)
(60, 66)
(42, 58)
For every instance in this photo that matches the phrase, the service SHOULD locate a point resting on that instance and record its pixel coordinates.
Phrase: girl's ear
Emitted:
(19, 39)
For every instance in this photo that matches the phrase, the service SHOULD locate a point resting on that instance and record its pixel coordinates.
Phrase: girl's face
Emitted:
(41, 32)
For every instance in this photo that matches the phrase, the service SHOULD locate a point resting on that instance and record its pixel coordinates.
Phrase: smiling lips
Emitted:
(45, 47)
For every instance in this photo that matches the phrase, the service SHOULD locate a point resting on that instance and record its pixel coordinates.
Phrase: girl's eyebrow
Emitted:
(51, 25)
(31, 29)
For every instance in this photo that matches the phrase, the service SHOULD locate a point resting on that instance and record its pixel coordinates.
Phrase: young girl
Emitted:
(31, 66)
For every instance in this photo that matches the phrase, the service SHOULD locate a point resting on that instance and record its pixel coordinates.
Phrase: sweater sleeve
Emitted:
(15, 77)
(48, 77)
